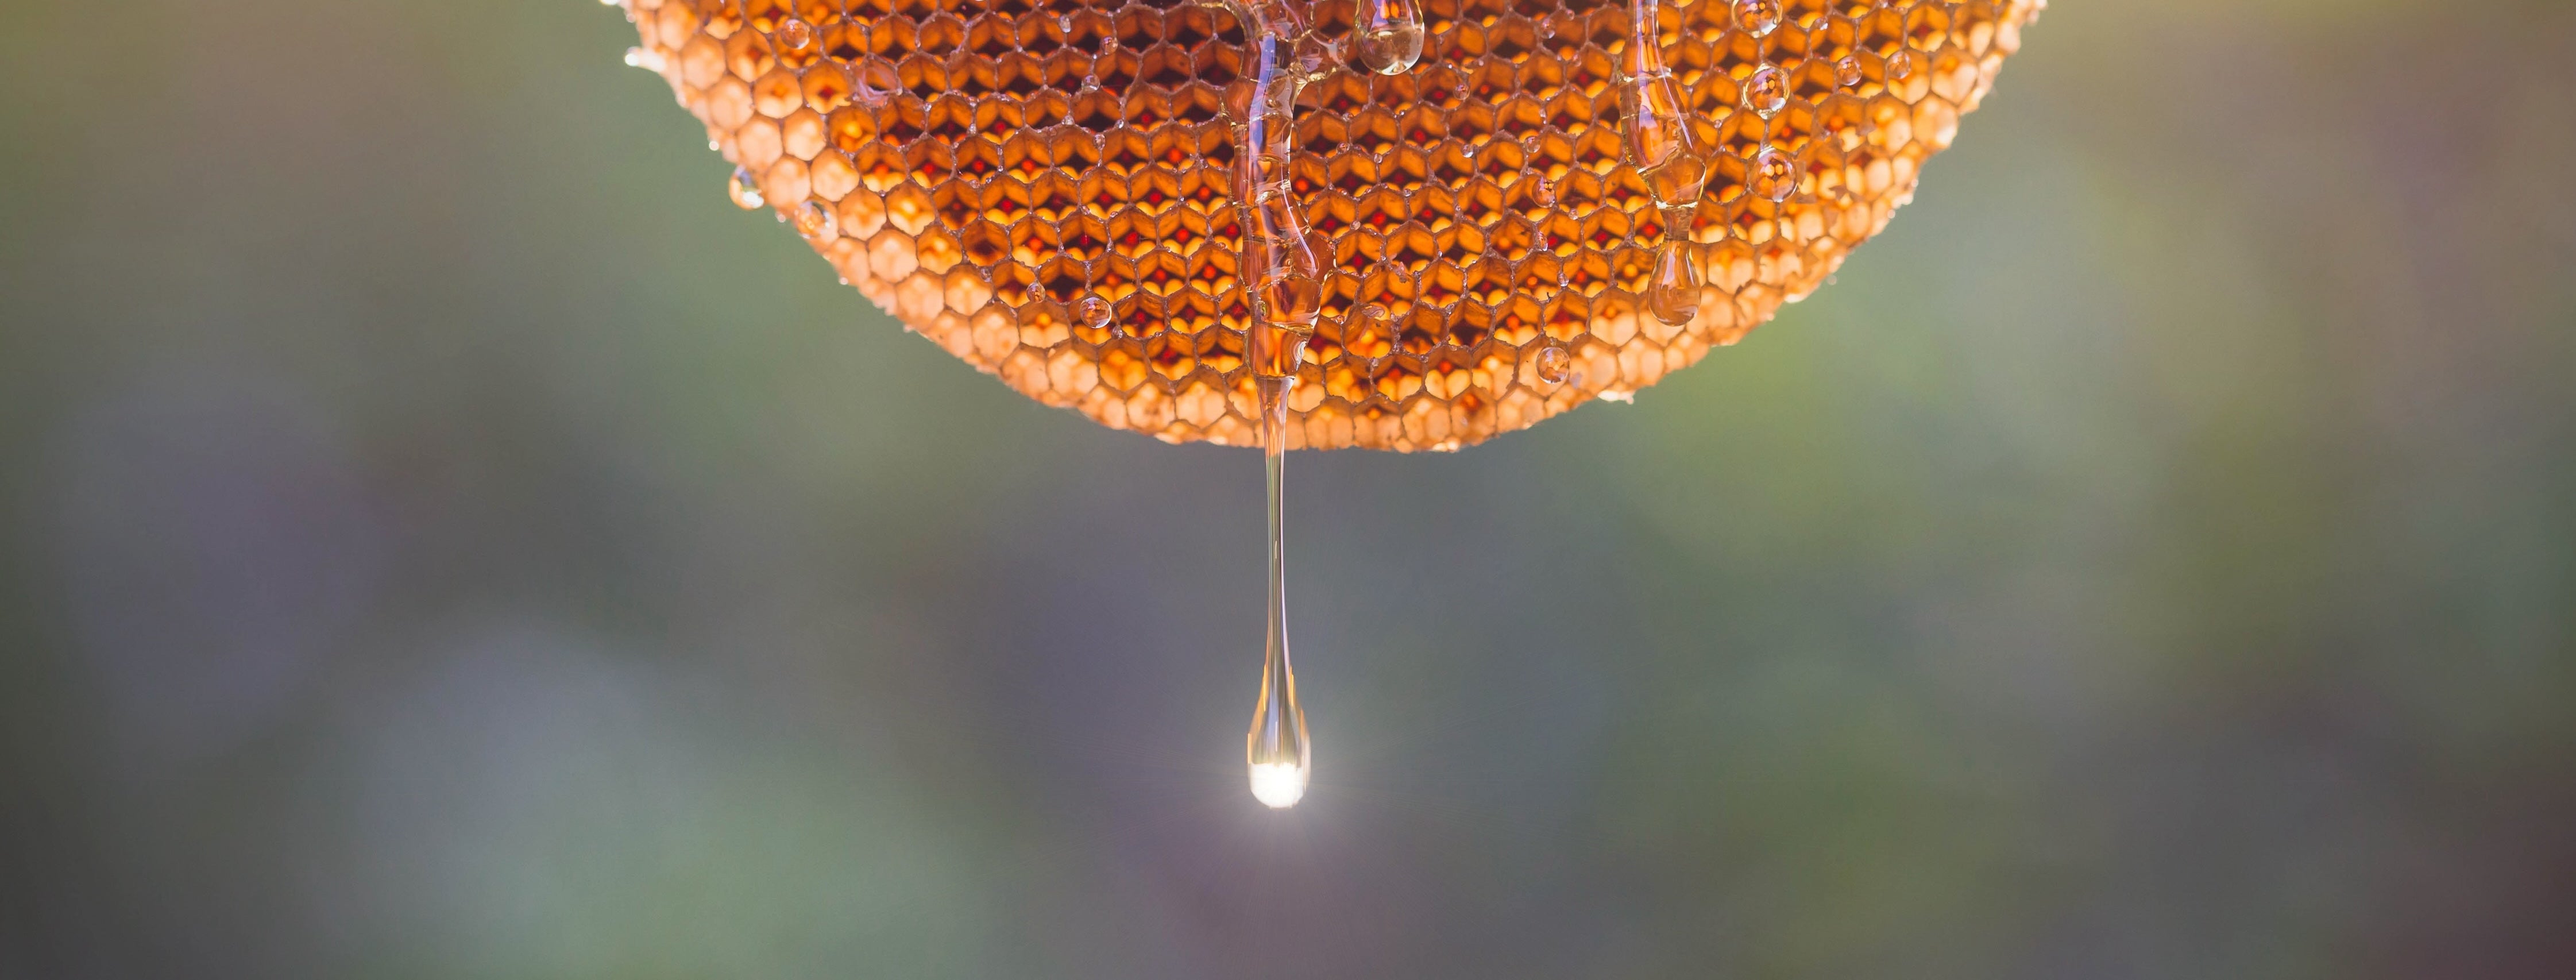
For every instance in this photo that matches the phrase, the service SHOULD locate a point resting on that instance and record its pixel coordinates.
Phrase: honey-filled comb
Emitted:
(1474, 214)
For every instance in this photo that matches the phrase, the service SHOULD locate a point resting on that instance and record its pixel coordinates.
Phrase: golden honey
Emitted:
(1048, 191)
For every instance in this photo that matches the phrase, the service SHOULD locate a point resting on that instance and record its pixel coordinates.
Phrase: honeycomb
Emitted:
(1043, 188)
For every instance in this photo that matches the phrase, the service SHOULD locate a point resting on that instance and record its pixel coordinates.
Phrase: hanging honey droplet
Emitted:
(1673, 294)
(1389, 34)
(1277, 751)
(1094, 312)
(1847, 71)
(745, 190)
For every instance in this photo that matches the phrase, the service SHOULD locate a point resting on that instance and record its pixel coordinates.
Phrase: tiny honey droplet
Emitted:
(1847, 71)
(1758, 17)
(1553, 365)
(1767, 91)
(1775, 173)
(1094, 312)
(745, 190)
(815, 222)
(1900, 65)
(796, 35)
(1389, 35)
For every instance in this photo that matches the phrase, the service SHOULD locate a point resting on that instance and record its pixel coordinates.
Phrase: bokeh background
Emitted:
(440, 536)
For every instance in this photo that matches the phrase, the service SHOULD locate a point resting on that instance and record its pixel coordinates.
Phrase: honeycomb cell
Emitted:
(978, 169)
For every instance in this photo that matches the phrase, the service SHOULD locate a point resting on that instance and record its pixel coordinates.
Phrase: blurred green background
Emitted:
(443, 537)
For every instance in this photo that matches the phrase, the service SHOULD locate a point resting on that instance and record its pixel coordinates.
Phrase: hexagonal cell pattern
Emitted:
(991, 166)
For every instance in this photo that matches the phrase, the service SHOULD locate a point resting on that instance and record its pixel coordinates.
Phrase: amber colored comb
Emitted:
(1045, 188)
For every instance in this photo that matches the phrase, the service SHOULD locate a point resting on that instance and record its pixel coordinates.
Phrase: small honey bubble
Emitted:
(1847, 71)
(1094, 312)
(1390, 35)
(1775, 173)
(796, 35)
(1758, 17)
(816, 223)
(1553, 365)
(1767, 91)
(1544, 191)
(745, 190)
(1900, 65)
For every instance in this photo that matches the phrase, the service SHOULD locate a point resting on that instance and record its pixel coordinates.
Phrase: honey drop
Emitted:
(796, 35)
(1775, 173)
(744, 190)
(1673, 295)
(816, 223)
(1552, 364)
(1758, 17)
(1277, 751)
(1767, 91)
(1389, 34)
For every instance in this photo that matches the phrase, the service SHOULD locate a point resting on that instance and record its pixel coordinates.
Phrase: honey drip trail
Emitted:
(1660, 145)
(1277, 750)
(1280, 262)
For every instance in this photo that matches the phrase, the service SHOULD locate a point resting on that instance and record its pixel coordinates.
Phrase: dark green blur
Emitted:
(441, 537)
